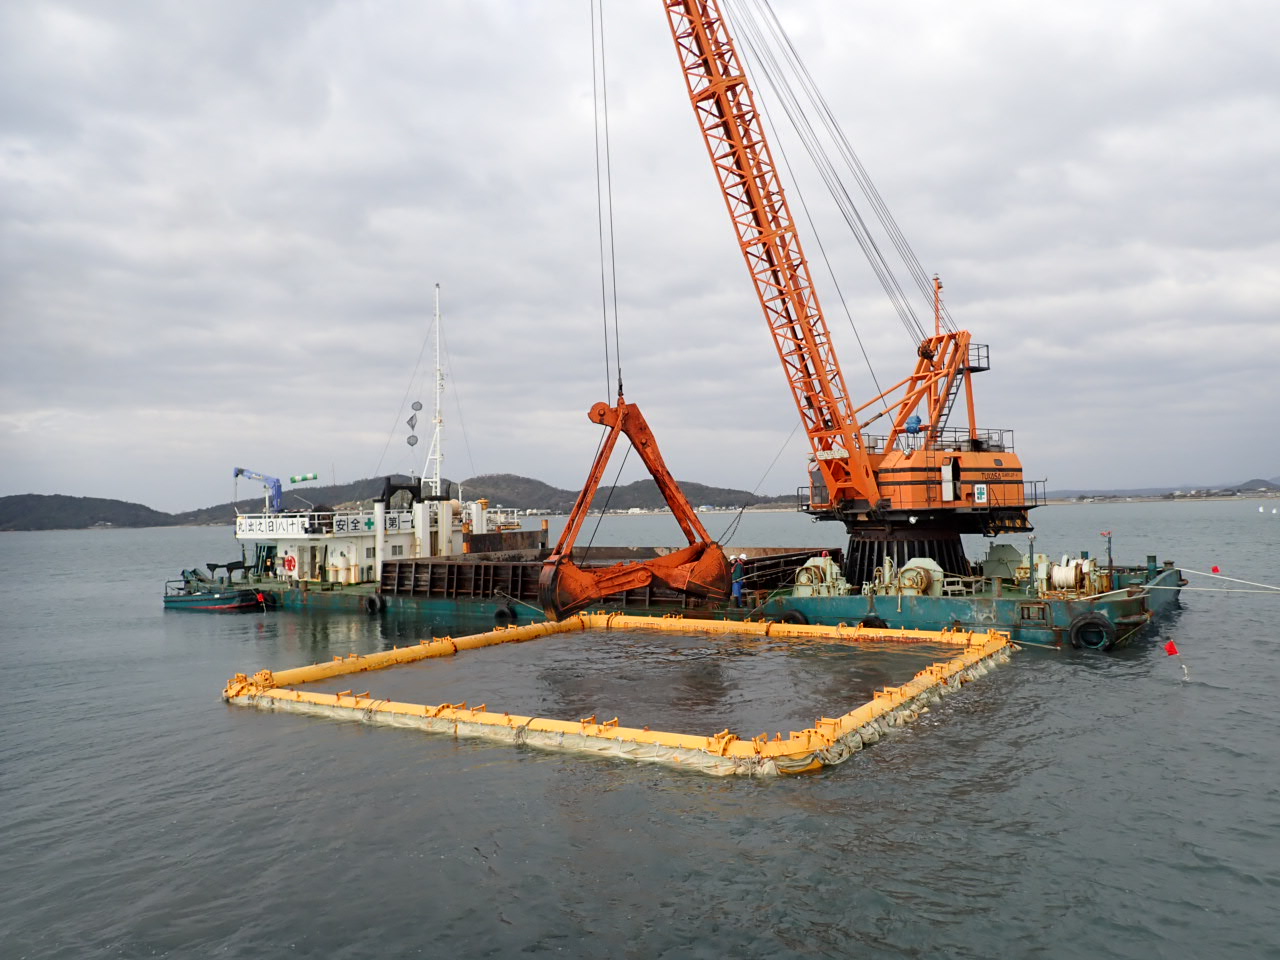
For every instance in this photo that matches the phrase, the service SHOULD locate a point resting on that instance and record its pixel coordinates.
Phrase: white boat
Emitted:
(350, 546)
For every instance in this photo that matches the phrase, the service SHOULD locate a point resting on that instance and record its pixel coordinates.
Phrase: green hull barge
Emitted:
(1076, 602)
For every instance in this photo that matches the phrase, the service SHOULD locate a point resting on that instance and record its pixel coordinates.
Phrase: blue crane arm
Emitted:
(275, 492)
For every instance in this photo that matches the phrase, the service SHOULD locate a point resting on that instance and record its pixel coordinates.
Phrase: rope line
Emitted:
(779, 63)
(600, 231)
(600, 516)
(732, 527)
(834, 130)
(822, 248)
(524, 603)
(604, 194)
(1267, 587)
(413, 378)
(452, 382)
(756, 47)
(1269, 591)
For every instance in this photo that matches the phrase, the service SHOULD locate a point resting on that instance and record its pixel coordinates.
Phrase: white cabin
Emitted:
(349, 546)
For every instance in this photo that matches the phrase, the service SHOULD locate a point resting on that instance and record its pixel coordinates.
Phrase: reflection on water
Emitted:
(681, 682)
(1065, 805)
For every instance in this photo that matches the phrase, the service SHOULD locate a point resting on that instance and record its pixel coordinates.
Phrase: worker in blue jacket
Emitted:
(739, 575)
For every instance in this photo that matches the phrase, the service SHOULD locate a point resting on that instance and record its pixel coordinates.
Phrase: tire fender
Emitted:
(1092, 631)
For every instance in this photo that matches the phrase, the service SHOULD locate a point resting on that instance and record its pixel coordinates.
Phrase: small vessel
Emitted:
(195, 591)
(334, 558)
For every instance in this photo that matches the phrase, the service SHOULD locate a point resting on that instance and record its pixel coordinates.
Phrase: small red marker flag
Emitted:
(1214, 569)
(1171, 648)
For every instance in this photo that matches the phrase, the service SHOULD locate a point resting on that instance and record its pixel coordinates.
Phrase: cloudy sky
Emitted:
(221, 223)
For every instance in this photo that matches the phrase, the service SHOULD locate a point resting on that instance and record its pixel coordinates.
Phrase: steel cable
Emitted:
(865, 183)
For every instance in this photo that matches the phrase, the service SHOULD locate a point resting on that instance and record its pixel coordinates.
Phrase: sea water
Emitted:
(1069, 804)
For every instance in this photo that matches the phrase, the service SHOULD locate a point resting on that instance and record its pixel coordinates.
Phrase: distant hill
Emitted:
(31, 511)
(521, 493)
(35, 511)
(40, 512)
(509, 490)
(295, 498)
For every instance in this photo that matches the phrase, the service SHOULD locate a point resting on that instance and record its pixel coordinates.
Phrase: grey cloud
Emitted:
(234, 213)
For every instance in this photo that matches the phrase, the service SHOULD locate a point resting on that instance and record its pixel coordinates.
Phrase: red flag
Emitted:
(1214, 569)
(1171, 648)
(261, 598)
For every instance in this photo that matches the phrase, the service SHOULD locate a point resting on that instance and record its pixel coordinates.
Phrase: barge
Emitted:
(492, 581)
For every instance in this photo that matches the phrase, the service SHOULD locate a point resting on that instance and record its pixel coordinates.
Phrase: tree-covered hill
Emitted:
(37, 511)
(31, 511)
(523, 493)
(301, 497)
(520, 493)
(54, 512)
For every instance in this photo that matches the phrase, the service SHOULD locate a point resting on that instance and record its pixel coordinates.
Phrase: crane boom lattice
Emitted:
(734, 134)
(915, 490)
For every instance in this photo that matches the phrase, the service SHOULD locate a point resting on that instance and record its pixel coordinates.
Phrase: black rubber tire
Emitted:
(373, 604)
(874, 622)
(794, 616)
(1092, 631)
(504, 616)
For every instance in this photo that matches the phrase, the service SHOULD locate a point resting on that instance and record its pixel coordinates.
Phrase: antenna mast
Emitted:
(435, 455)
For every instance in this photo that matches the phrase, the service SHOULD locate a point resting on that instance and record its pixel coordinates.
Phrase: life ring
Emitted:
(874, 622)
(505, 615)
(373, 603)
(794, 616)
(1092, 631)
(290, 562)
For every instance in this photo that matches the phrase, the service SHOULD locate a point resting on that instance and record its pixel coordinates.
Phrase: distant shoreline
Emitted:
(761, 508)
(1106, 498)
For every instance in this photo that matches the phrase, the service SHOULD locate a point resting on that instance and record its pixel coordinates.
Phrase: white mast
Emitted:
(435, 455)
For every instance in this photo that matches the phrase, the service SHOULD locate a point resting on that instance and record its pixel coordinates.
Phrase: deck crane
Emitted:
(914, 490)
(273, 500)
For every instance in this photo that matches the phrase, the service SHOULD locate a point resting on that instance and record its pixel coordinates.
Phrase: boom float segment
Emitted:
(829, 741)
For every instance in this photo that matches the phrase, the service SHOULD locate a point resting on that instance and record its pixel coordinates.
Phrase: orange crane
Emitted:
(915, 489)
(909, 493)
